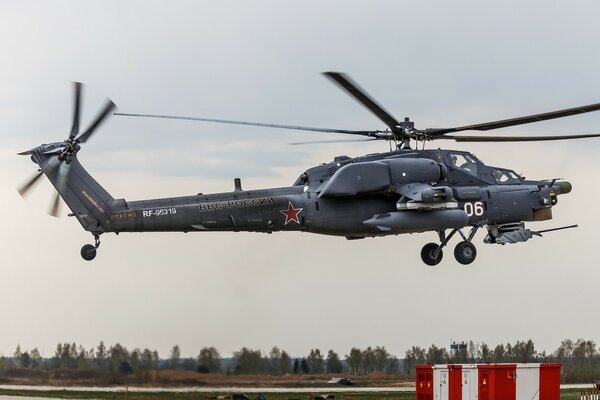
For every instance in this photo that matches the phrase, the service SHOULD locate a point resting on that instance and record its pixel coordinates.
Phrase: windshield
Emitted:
(505, 176)
(464, 162)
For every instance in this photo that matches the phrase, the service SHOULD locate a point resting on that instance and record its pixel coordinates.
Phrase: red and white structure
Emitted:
(590, 394)
(527, 381)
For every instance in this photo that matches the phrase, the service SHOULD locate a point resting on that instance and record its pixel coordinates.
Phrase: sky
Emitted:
(440, 63)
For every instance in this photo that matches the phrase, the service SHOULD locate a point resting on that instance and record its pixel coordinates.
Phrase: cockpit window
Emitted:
(505, 176)
(302, 180)
(464, 162)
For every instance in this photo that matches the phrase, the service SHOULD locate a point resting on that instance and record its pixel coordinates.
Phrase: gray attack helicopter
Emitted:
(404, 190)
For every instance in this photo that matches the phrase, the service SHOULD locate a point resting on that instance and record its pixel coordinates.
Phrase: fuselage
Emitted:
(487, 195)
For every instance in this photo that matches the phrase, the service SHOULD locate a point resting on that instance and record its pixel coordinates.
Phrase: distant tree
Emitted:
(56, 360)
(412, 357)
(473, 351)
(135, 359)
(17, 356)
(155, 360)
(333, 363)
(486, 353)
(393, 366)
(524, 351)
(275, 353)
(585, 359)
(4, 362)
(368, 361)
(304, 366)
(175, 356)
(273, 361)
(36, 358)
(146, 359)
(25, 360)
(384, 361)
(81, 360)
(249, 361)
(509, 354)
(315, 361)
(116, 355)
(499, 353)
(381, 359)
(100, 356)
(285, 363)
(354, 361)
(209, 357)
(564, 351)
(459, 355)
(296, 367)
(436, 355)
(65, 356)
(125, 368)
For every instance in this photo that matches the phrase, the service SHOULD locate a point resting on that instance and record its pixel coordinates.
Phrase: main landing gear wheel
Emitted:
(431, 255)
(465, 252)
(88, 252)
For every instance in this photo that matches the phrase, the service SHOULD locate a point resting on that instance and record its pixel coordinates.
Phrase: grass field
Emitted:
(567, 394)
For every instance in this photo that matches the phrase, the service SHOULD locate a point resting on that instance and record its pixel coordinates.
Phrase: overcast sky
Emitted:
(440, 63)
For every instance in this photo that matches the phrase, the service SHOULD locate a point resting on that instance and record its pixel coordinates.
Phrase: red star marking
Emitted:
(291, 214)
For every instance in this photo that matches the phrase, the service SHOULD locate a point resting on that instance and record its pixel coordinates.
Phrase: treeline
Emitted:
(118, 358)
(279, 362)
(580, 359)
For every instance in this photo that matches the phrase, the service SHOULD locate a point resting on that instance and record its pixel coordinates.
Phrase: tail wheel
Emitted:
(88, 252)
(465, 252)
(429, 256)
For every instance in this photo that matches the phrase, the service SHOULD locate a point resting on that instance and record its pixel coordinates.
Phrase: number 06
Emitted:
(474, 209)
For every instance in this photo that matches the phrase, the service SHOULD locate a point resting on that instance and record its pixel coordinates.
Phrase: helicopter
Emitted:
(404, 190)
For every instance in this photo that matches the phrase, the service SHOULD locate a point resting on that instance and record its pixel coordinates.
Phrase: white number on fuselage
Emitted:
(474, 209)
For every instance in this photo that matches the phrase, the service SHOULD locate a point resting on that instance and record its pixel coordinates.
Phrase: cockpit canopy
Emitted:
(465, 162)
(505, 176)
(468, 164)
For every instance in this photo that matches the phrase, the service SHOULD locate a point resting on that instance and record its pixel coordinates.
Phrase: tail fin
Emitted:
(90, 203)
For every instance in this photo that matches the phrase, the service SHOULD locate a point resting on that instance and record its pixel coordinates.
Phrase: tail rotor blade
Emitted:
(76, 110)
(105, 112)
(27, 185)
(54, 208)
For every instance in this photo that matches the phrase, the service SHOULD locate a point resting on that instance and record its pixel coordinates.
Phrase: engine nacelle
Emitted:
(374, 176)
(415, 170)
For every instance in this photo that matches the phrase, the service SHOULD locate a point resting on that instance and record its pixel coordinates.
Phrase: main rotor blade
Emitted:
(261, 124)
(486, 126)
(105, 112)
(55, 206)
(24, 153)
(27, 185)
(359, 94)
(335, 141)
(515, 138)
(76, 109)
